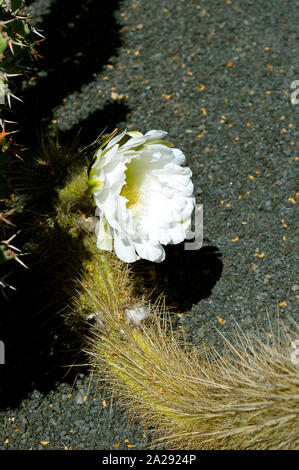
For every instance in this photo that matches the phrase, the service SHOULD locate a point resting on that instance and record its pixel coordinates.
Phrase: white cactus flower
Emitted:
(143, 196)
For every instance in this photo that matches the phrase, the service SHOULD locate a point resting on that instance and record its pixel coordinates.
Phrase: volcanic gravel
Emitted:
(216, 75)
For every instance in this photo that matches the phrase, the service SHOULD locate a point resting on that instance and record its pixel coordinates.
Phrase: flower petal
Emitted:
(135, 134)
(124, 247)
(116, 139)
(103, 233)
(150, 251)
(179, 157)
(155, 135)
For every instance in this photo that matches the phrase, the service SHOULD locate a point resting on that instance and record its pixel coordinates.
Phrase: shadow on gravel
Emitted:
(185, 277)
(38, 346)
(80, 39)
(101, 121)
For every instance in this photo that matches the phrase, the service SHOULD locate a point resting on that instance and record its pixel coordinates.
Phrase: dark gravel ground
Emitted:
(216, 75)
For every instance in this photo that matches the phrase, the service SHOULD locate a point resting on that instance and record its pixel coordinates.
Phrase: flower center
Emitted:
(130, 192)
(131, 189)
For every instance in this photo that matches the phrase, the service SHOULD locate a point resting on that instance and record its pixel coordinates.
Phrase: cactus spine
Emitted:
(16, 39)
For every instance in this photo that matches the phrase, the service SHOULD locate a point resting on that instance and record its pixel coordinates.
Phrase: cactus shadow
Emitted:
(80, 39)
(39, 346)
(100, 121)
(184, 277)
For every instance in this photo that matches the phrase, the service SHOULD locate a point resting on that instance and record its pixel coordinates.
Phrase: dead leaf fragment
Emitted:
(116, 96)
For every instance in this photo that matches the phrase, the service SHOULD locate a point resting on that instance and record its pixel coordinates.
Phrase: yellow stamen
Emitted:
(130, 192)
(131, 189)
